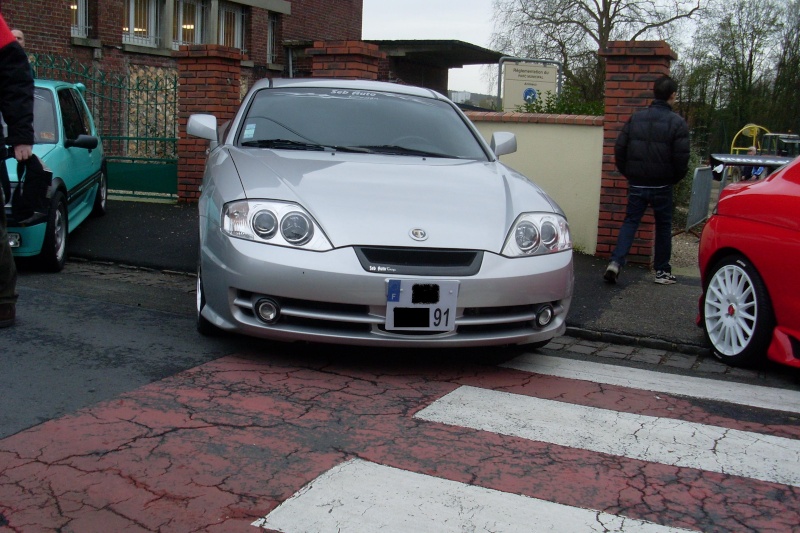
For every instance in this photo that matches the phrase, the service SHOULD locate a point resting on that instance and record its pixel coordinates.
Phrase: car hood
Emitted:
(364, 199)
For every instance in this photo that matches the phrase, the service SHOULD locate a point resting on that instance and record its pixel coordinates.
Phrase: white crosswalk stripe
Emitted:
(693, 387)
(647, 438)
(359, 496)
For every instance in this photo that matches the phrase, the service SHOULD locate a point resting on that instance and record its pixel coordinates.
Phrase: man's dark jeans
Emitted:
(660, 199)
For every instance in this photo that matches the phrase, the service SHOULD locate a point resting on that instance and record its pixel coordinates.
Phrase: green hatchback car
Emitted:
(66, 140)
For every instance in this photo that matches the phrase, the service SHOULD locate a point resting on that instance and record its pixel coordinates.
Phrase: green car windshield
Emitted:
(45, 125)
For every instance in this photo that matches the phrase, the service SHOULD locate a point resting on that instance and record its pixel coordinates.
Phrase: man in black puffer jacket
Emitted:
(652, 152)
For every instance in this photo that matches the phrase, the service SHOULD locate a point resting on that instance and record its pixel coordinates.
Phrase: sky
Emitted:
(466, 20)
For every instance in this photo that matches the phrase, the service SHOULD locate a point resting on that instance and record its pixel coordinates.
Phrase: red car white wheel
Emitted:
(737, 315)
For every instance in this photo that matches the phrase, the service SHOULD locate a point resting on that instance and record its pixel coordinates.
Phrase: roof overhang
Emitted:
(438, 53)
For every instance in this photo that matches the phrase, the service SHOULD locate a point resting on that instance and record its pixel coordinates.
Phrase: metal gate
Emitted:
(137, 117)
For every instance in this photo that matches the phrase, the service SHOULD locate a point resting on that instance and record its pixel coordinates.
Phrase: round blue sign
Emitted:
(530, 95)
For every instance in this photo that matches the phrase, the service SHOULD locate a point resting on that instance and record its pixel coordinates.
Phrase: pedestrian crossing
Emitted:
(688, 386)
(362, 496)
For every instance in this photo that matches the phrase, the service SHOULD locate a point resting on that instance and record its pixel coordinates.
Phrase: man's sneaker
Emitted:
(612, 271)
(8, 313)
(665, 278)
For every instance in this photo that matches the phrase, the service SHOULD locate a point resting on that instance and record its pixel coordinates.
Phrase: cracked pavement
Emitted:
(219, 446)
(117, 416)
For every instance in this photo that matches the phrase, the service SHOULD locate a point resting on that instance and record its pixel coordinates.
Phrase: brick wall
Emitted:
(323, 20)
(631, 69)
(345, 59)
(43, 25)
(209, 83)
(46, 24)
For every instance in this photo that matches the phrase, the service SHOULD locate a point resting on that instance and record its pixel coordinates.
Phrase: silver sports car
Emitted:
(371, 213)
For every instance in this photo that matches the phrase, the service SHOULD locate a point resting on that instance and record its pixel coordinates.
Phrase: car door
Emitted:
(80, 165)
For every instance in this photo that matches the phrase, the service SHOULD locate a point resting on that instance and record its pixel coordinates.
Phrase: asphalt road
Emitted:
(117, 415)
(97, 330)
(90, 333)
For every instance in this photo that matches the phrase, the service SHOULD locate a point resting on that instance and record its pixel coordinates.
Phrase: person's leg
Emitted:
(8, 275)
(637, 204)
(662, 211)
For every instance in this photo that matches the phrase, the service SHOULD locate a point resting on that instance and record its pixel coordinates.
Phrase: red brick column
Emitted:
(209, 83)
(631, 69)
(345, 59)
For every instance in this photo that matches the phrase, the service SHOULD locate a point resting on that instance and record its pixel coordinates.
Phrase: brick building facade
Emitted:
(98, 33)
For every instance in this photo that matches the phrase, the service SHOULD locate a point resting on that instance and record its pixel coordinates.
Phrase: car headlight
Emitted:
(273, 222)
(297, 228)
(537, 234)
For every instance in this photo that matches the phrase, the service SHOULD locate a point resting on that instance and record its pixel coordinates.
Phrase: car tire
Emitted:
(54, 248)
(738, 319)
(204, 327)
(100, 206)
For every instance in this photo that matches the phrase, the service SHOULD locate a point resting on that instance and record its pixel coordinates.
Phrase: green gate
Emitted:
(137, 116)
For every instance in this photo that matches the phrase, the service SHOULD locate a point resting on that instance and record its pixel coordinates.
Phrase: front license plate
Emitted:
(414, 305)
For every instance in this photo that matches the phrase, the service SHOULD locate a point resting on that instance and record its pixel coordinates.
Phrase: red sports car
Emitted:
(749, 258)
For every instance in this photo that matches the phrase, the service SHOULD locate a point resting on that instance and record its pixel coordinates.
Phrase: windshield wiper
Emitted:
(283, 144)
(286, 144)
(402, 150)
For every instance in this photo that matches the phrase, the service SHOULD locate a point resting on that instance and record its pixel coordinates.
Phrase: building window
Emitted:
(231, 25)
(272, 39)
(188, 22)
(80, 18)
(141, 23)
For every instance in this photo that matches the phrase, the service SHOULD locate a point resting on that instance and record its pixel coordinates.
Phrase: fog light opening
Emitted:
(545, 315)
(267, 310)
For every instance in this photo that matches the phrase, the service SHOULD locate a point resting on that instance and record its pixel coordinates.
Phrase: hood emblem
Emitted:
(418, 234)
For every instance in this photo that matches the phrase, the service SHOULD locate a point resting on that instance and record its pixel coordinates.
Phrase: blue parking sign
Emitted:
(530, 95)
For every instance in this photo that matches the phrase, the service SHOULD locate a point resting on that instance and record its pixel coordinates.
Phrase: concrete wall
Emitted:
(564, 156)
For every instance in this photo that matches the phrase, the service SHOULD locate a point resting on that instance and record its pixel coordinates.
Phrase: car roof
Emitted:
(54, 85)
(51, 84)
(358, 85)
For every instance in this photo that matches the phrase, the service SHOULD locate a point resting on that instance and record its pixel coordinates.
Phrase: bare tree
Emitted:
(742, 36)
(572, 31)
(785, 108)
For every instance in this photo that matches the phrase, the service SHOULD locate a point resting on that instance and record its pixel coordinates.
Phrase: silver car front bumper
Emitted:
(329, 297)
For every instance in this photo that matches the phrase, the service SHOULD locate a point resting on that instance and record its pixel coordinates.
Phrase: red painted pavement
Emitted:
(219, 446)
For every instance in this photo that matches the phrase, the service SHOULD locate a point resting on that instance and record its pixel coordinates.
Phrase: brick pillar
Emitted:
(345, 59)
(631, 69)
(209, 83)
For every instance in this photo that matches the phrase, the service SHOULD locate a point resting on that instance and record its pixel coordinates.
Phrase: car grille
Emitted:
(361, 321)
(419, 261)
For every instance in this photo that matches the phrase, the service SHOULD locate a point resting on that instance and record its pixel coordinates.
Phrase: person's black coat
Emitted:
(16, 94)
(653, 147)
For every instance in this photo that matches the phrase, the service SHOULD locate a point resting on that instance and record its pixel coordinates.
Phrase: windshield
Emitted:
(44, 117)
(357, 121)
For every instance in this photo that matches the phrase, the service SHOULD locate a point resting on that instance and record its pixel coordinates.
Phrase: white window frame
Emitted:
(240, 15)
(272, 42)
(153, 24)
(81, 17)
(201, 8)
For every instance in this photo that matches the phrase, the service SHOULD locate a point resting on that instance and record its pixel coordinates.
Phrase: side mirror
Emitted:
(503, 143)
(203, 126)
(89, 142)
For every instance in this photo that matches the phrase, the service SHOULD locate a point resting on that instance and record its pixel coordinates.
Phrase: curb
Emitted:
(643, 342)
